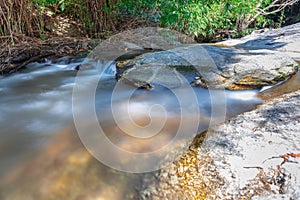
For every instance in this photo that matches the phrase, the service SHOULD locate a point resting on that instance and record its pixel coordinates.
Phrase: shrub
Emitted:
(206, 18)
(97, 16)
(17, 17)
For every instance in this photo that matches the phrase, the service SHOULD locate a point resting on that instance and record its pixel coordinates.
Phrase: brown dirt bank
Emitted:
(15, 57)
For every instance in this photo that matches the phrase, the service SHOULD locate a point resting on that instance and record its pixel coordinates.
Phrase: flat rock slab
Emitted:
(243, 147)
(217, 67)
(286, 39)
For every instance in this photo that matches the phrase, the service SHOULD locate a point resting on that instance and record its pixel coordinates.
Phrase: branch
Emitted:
(278, 4)
(286, 157)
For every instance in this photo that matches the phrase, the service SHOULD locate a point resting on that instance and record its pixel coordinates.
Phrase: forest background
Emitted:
(206, 20)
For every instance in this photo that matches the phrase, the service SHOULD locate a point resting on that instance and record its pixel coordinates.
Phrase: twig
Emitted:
(254, 167)
(286, 157)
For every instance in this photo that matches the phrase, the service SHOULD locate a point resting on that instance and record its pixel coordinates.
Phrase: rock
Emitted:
(144, 76)
(139, 39)
(286, 39)
(131, 43)
(242, 147)
(217, 67)
(235, 161)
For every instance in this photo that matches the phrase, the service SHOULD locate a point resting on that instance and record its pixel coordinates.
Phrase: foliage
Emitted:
(206, 18)
(96, 15)
(59, 5)
(17, 17)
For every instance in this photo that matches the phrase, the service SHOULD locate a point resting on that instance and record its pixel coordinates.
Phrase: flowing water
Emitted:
(41, 154)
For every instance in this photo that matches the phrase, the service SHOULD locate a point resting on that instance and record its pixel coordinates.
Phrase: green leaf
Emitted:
(42, 36)
(62, 6)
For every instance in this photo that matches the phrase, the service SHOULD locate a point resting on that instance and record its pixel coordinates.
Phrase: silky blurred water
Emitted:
(36, 104)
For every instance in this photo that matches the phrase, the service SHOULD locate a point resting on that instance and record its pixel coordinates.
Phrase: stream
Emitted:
(40, 151)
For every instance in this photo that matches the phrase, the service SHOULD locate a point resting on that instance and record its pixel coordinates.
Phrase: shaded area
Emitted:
(16, 57)
(286, 39)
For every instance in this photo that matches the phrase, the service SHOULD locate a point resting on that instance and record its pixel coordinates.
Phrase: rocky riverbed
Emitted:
(240, 159)
(254, 155)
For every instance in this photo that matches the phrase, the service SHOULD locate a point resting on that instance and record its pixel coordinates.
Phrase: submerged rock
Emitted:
(217, 67)
(192, 176)
(64, 169)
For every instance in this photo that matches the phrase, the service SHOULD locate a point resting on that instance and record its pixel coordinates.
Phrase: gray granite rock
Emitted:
(253, 61)
(286, 39)
(217, 67)
(243, 147)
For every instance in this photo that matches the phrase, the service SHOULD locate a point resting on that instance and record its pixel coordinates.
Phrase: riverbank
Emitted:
(15, 57)
(252, 156)
(24, 50)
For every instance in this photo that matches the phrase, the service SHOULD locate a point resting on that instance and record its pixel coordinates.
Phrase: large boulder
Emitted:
(147, 75)
(217, 67)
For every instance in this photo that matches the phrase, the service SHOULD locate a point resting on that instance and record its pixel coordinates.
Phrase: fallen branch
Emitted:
(286, 157)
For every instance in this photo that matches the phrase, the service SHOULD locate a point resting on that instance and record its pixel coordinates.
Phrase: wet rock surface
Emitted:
(245, 157)
(218, 67)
